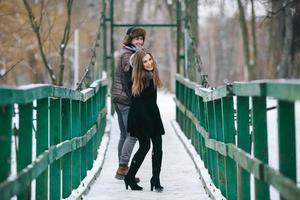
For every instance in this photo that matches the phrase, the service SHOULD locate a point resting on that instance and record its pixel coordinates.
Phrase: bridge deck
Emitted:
(179, 175)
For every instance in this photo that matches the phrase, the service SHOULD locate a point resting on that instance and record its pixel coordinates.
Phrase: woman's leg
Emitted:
(139, 156)
(137, 160)
(156, 163)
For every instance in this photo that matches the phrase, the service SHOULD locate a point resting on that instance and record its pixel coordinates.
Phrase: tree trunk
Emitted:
(286, 60)
(245, 36)
(295, 73)
(221, 51)
(172, 42)
(151, 40)
(139, 11)
(276, 38)
(192, 14)
(253, 31)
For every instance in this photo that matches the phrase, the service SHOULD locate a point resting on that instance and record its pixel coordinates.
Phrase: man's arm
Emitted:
(126, 73)
(125, 62)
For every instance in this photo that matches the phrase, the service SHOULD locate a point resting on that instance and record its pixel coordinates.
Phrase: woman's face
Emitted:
(147, 62)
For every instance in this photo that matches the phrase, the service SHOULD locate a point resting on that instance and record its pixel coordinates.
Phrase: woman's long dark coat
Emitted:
(144, 116)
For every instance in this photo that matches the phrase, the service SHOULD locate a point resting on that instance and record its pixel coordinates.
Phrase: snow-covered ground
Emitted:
(179, 175)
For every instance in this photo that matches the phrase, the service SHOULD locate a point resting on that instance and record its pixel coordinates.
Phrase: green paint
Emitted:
(5, 140)
(287, 139)
(229, 137)
(260, 140)
(243, 139)
(67, 159)
(24, 151)
(42, 145)
(55, 138)
(220, 137)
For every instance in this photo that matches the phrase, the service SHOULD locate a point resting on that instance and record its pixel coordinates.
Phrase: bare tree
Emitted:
(36, 24)
(284, 37)
(139, 11)
(276, 36)
(64, 41)
(36, 29)
(253, 31)
(245, 35)
(286, 60)
(296, 42)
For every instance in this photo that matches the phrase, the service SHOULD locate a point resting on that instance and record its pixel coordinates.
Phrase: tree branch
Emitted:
(13, 66)
(64, 41)
(36, 30)
(281, 9)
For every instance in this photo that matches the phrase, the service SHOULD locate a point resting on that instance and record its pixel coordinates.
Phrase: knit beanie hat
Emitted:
(134, 32)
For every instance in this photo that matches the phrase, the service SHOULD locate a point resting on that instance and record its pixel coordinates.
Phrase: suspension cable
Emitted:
(92, 60)
(199, 64)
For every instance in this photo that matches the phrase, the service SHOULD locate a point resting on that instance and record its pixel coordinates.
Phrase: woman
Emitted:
(144, 121)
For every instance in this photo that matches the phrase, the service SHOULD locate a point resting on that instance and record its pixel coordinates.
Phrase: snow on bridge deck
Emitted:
(178, 176)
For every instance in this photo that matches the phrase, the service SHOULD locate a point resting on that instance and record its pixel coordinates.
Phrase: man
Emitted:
(121, 95)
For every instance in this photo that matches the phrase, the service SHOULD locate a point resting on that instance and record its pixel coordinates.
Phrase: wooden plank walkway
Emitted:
(179, 175)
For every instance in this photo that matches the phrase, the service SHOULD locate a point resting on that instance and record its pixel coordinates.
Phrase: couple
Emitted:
(134, 96)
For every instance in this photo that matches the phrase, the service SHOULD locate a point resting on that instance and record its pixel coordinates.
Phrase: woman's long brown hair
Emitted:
(139, 73)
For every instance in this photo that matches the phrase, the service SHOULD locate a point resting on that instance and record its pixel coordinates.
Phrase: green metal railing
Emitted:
(67, 126)
(223, 134)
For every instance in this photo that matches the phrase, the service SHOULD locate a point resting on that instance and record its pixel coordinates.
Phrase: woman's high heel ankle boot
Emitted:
(132, 183)
(156, 167)
(155, 183)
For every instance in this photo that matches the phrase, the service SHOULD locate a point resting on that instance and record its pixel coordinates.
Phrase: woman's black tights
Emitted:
(138, 158)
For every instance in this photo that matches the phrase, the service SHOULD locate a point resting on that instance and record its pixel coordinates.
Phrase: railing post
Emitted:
(195, 135)
(202, 123)
(260, 142)
(66, 135)
(24, 153)
(5, 140)
(76, 157)
(83, 131)
(287, 139)
(212, 135)
(220, 138)
(179, 97)
(243, 142)
(55, 138)
(189, 105)
(229, 137)
(198, 134)
(42, 140)
(208, 151)
(182, 117)
(184, 96)
(98, 108)
(89, 145)
(102, 105)
(95, 110)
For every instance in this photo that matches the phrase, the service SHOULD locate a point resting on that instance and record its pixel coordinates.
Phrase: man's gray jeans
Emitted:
(126, 142)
